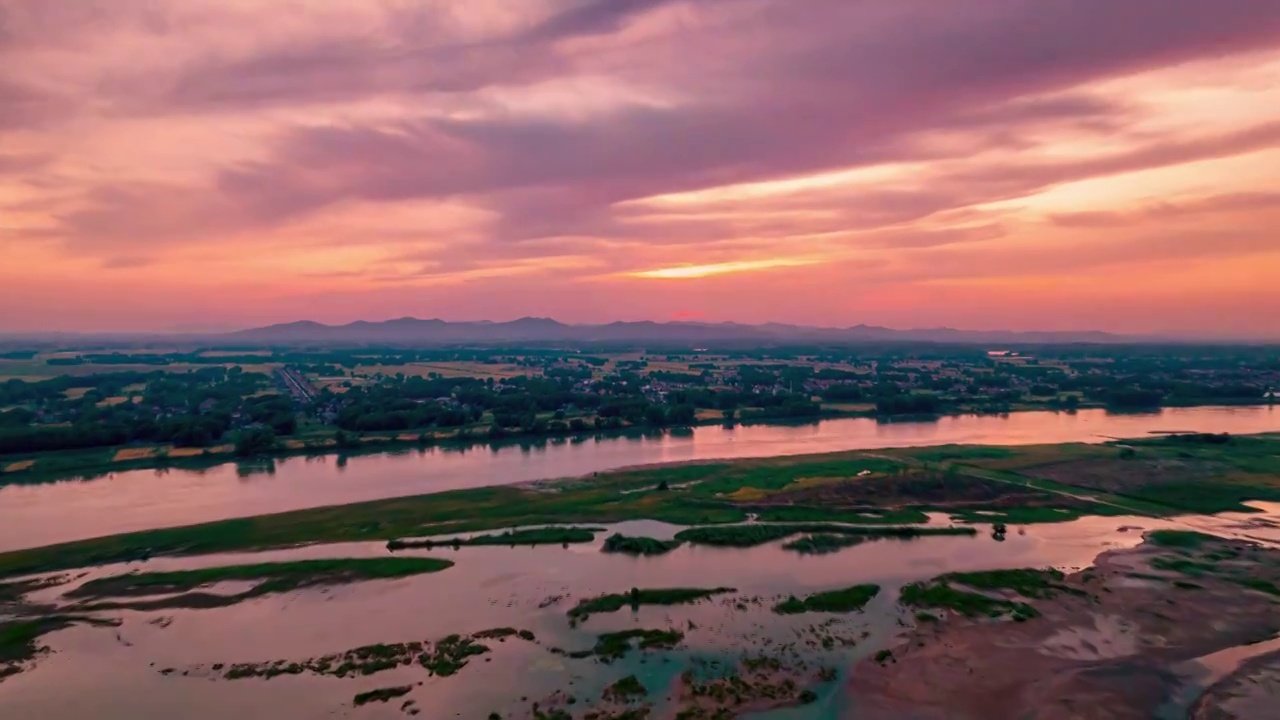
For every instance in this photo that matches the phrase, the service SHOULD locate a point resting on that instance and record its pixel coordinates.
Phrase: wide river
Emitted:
(40, 514)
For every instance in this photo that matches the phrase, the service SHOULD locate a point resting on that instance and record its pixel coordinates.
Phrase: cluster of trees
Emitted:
(195, 409)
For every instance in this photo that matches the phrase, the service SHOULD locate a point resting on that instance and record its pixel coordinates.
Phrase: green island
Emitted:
(883, 492)
(381, 695)
(850, 599)
(535, 536)
(627, 545)
(105, 593)
(614, 645)
(948, 592)
(625, 690)
(613, 602)
(443, 658)
(823, 543)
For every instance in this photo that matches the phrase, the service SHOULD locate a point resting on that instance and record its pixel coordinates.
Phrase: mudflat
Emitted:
(1108, 642)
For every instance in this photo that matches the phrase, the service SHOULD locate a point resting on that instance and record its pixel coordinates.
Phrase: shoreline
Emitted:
(93, 466)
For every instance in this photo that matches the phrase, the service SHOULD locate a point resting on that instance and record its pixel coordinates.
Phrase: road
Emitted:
(297, 385)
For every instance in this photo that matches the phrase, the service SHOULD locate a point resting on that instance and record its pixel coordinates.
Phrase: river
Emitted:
(44, 513)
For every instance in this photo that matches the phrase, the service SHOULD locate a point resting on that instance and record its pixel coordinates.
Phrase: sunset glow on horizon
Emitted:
(981, 164)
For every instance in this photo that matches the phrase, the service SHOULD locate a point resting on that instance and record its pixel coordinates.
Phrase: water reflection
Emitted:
(114, 677)
(39, 514)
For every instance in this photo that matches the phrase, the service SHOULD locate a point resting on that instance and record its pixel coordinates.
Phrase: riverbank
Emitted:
(97, 462)
(1158, 477)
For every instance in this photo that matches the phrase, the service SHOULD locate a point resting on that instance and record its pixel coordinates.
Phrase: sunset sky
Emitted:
(981, 164)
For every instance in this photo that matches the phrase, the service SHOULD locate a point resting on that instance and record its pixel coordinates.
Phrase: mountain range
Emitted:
(409, 330)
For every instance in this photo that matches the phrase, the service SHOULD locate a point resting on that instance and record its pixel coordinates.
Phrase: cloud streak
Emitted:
(726, 141)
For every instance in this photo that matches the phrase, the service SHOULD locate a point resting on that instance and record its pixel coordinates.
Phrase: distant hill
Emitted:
(409, 330)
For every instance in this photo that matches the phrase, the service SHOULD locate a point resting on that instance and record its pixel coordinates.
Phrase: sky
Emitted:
(981, 164)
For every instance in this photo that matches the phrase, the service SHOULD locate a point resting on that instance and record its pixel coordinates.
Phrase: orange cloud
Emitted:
(232, 162)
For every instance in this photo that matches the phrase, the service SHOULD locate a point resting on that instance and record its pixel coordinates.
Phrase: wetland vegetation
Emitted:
(760, 533)
(613, 602)
(271, 577)
(850, 599)
(614, 645)
(956, 592)
(381, 695)
(619, 543)
(533, 536)
(1164, 476)
(823, 543)
(443, 657)
(20, 637)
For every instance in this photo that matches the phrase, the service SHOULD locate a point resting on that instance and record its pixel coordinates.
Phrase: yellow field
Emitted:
(117, 400)
(124, 454)
(182, 452)
(76, 393)
(19, 466)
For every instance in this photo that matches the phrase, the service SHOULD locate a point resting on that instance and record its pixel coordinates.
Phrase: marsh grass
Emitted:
(274, 577)
(618, 543)
(845, 600)
(532, 536)
(651, 596)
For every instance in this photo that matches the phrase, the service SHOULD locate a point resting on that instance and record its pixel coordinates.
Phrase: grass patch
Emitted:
(849, 599)
(20, 639)
(381, 695)
(651, 596)
(1181, 539)
(443, 657)
(944, 597)
(823, 543)
(275, 577)
(534, 536)
(612, 646)
(1183, 565)
(618, 543)
(755, 534)
(450, 655)
(1036, 584)
(625, 690)
(939, 594)
(1259, 584)
(802, 514)
(946, 453)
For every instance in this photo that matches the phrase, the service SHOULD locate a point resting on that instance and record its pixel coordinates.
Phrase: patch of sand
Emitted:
(1107, 636)
(1108, 653)
(19, 465)
(125, 454)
